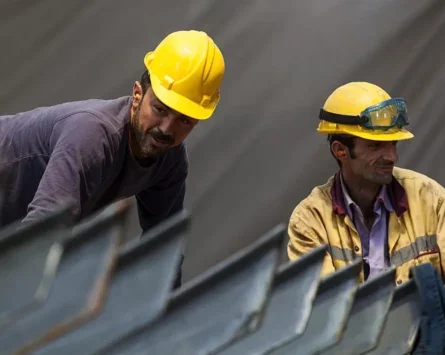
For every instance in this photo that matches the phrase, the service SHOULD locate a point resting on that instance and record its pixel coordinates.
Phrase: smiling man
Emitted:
(97, 151)
(370, 209)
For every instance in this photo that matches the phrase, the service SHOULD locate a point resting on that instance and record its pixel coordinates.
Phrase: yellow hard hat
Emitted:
(186, 70)
(364, 110)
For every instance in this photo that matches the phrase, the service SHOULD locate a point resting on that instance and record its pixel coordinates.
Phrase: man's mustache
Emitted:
(161, 137)
(384, 163)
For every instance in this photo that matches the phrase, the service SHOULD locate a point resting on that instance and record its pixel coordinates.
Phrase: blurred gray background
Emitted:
(260, 154)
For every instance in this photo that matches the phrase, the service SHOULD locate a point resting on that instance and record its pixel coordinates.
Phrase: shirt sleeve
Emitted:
(302, 240)
(82, 150)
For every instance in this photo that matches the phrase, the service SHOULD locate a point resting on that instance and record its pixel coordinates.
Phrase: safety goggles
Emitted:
(383, 116)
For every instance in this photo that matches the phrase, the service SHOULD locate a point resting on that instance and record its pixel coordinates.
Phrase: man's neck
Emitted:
(363, 193)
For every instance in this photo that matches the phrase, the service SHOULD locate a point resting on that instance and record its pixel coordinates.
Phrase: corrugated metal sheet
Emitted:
(296, 285)
(368, 315)
(82, 265)
(219, 306)
(107, 297)
(24, 256)
(138, 293)
(330, 313)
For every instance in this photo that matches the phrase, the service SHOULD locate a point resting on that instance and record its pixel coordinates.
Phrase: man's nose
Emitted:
(167, 125)
(390, 152)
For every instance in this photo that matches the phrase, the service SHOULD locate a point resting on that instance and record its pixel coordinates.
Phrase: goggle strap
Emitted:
(340, 119)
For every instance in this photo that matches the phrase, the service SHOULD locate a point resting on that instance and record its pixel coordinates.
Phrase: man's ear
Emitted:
(137, 94)
(339, 150)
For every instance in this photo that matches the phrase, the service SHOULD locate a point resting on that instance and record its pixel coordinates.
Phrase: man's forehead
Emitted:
(365, 141)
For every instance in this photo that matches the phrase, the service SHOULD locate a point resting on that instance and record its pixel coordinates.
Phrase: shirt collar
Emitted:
(382, 199)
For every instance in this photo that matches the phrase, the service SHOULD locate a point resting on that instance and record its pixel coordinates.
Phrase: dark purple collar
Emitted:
(396, 193)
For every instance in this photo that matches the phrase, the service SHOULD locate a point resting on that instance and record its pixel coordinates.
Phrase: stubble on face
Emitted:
(374, 161)
(148, 143)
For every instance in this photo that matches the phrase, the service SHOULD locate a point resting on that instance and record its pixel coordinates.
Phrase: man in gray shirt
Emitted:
(94, 152)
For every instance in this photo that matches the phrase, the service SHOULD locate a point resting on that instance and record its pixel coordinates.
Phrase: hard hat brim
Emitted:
(396, 134)
(180, 103)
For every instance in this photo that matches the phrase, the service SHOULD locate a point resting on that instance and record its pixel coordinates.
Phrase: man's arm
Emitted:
(82, 150)
(303, 239)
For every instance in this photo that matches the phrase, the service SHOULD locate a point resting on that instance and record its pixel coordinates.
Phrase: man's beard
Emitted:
(142, 141)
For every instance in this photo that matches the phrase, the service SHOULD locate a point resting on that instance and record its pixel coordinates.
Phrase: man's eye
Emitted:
(186, 121)
(159, 109)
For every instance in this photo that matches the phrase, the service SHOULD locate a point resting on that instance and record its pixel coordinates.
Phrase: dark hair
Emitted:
(145, 82)
(344, 139)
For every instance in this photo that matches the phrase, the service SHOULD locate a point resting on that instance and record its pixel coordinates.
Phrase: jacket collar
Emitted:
(396, 194)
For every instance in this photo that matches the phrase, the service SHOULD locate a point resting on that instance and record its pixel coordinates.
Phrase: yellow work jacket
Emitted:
(416, 231)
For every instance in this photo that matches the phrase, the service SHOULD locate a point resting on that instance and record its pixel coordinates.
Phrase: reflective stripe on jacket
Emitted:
(416, 230)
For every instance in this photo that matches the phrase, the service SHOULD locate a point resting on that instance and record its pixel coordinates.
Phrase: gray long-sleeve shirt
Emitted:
(79, 151)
